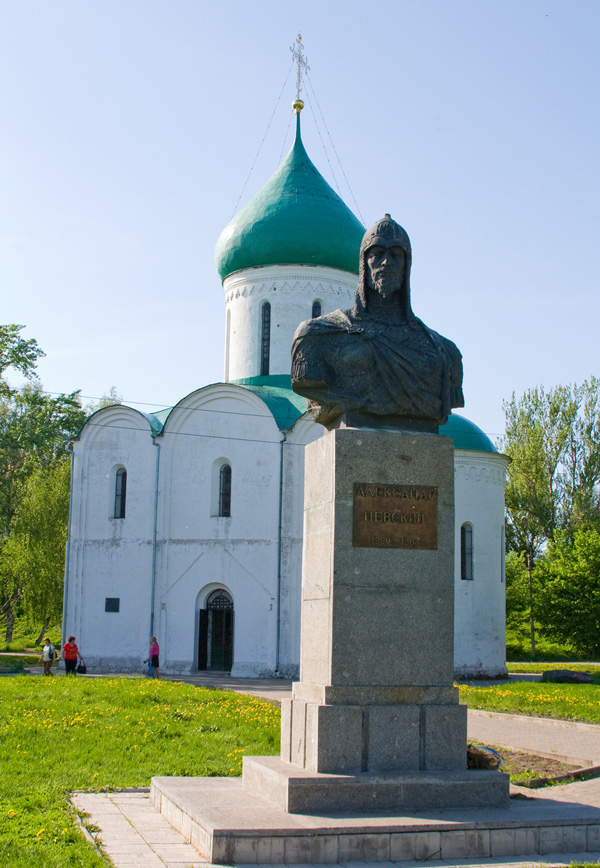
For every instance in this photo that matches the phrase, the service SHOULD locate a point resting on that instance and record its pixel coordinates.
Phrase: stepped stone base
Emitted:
(350, 738)
(229, 825)
(296, 790)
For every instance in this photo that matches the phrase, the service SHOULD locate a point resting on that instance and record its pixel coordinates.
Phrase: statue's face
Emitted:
(385, 269)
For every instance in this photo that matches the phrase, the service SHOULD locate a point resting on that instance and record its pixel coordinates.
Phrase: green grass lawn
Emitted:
(60, 734)
(562, 701)
(592, 668)
(13, 663)
(25, 634)
(518, 646)
(63, 734)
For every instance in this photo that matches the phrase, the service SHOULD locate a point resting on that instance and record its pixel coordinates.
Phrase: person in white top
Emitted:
(48, 656)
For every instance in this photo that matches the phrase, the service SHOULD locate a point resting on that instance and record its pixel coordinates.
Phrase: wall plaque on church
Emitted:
(394, 516)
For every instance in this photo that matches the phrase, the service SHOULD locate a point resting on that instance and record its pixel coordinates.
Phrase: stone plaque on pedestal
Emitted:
(394, 516)
(374, 722)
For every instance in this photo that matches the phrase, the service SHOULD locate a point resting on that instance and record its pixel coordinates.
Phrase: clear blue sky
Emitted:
(128, 128)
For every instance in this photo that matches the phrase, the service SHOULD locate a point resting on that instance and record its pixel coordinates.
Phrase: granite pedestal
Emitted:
(374, 722)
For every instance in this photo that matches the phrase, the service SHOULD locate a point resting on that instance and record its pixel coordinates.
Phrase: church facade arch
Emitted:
(110, 541)
(215, 620)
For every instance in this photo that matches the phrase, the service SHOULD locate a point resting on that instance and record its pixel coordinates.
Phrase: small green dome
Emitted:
(296, 219)
(466, 435)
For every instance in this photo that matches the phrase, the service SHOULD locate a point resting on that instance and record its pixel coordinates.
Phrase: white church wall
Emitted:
(479, 621)
(245, 554)
(111, 557)
(199, 550)
(303, 432)
(290, 290)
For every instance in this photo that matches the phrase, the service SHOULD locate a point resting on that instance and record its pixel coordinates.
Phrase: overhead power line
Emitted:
(310, 84)
(132, 405)
(262, 140)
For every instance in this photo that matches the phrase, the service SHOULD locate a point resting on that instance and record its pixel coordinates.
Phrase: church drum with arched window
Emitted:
(215, 639)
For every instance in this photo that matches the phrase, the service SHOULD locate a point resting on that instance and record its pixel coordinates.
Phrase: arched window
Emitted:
(316, 309)
(225, 491)
(120, 492)
(265, 339)
(466, 552)
(219, 600)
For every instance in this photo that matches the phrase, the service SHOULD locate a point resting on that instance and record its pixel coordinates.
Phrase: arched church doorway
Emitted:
(215, 646)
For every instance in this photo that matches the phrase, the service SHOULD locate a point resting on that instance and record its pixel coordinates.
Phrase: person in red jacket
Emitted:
(70, 655)
(154, 651)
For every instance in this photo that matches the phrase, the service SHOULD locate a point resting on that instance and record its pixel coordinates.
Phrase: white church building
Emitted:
(186, 524)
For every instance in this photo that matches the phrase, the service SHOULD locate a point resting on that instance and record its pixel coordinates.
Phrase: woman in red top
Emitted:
(154, 651)
(70, 655)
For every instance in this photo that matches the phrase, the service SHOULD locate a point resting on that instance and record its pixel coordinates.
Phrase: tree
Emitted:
(553, 440)
(581, 490)
(517, 591)
(109, 399)
(33, 429)
(34, 553)
(16, 353)
(569, 590)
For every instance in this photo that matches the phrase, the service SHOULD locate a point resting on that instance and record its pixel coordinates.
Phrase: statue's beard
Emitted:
(385, 285)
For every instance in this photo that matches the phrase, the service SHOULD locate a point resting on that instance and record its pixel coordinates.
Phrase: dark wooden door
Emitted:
(203, 640)
(221, 634)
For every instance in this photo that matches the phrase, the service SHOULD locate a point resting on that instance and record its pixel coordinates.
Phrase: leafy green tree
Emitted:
(33, 429)
(581, 473)
(517, 591)
(34, 554)
(539, 427)
(553, 441)
(569, 590)
(17, 353)
(108, 399)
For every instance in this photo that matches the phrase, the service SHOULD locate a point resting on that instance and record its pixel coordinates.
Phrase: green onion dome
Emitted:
(466, 435)
(296, 219)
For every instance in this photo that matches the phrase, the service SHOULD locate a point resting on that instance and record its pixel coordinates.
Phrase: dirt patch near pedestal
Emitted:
(523, 767)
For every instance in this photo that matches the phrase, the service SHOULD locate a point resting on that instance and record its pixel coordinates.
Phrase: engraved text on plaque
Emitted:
(394, 516)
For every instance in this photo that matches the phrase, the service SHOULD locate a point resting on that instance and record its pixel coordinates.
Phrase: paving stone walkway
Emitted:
(135, 835)
(576, 743)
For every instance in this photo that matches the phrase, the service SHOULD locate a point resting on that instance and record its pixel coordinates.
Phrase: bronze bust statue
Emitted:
(378, 365)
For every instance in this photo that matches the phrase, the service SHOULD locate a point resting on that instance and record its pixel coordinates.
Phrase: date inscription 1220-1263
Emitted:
(394, 516)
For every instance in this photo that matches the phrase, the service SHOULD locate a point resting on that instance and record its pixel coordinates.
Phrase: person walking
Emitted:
(70, 655)
(154, 652)
(48, 656)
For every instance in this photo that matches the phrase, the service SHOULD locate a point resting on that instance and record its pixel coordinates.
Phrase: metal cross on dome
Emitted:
(302, 64)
